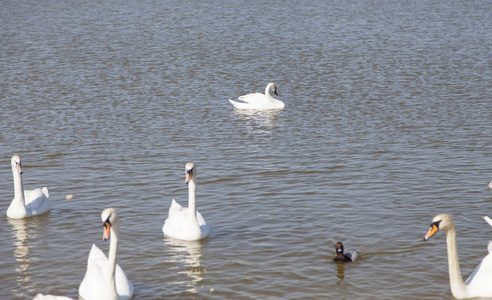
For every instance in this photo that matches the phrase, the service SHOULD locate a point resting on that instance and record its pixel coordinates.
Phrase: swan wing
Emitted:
(94, 279)
(479, 282)
(488, 220)
(37, 201)
(177, 224)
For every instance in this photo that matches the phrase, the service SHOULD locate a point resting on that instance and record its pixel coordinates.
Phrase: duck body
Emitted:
(186, 223)
(259, 101)
(345, 256)
(479, 282)
(104, 279)
(26, 203)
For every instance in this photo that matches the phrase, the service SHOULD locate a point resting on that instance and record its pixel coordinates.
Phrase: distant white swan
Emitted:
(26, 203)
(186, 223)
(479, 284)
(490, 184)
(259, 101)
(104, 279)
(350, 255)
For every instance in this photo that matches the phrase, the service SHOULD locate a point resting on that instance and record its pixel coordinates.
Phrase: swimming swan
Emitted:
(479, 282)
(26, 203)
(350, 255)
(186, 223)
(104, 279)
(259, 101)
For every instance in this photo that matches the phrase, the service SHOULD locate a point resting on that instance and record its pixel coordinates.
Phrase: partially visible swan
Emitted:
(490, 184)
(26, 203)
(350, 255)
(479, 284)
(259, 101)
(104, 279)
(186, 223)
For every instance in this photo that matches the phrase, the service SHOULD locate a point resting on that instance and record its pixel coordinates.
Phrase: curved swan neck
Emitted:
(458, 288)
(191, 198)
(18, 186)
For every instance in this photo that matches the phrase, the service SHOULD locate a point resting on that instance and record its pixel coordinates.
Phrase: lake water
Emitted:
(387, 123)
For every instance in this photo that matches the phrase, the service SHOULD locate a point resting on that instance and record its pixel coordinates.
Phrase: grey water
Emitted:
(387, 123)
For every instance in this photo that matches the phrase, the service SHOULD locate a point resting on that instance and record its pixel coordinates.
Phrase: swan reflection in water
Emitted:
(21, 254)
(188, 253)
(258, 120)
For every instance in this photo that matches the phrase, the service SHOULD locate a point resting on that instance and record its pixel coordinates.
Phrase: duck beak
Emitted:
(107, 229)
(432, 230)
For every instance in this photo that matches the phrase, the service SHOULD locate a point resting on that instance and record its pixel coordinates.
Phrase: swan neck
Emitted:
(113, 250)
(458, 288)
(18, 187)
(191, 198)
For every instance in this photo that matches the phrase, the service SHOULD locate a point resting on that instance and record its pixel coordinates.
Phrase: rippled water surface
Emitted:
(387, 123)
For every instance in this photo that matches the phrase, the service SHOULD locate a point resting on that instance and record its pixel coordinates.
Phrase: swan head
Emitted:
(16, 163)
(190, 172)
(109, 218)
(440, 222)
(273, 88)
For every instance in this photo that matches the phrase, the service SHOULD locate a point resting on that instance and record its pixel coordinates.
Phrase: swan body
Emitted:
(259, 101)
(349, 255)
(26, 203)
(104, 279)
(479, 282)
(490, 184)
(186, 223)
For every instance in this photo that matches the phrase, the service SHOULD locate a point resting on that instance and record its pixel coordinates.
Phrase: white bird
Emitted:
(26, 203)
(104, 279)
(490, 184)
(186, 223)
(259, 101)
(479, 282)
(349, 255)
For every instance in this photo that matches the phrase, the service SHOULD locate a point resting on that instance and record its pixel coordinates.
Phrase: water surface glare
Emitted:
(387, 123)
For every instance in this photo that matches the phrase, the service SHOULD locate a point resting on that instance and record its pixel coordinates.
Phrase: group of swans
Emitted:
(479, 284)
(258, 100)
(104, 278)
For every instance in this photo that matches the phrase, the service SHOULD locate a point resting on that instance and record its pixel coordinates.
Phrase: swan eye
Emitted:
(107, 224)
(436, 223)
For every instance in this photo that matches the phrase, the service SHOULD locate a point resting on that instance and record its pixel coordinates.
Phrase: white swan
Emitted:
(350, 255)
(259, 101)
(26, 203)
(490, 184)
(186, 223)
(479, 282)
(104, 279)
